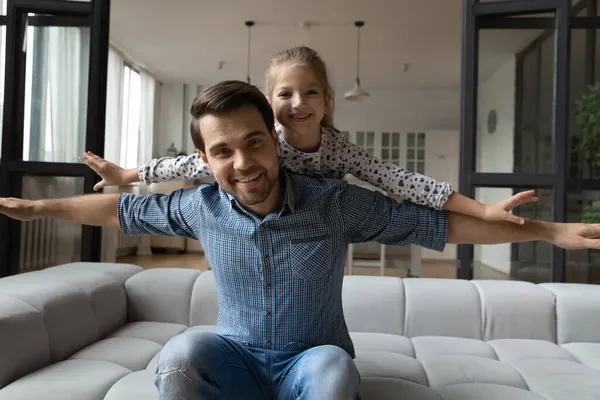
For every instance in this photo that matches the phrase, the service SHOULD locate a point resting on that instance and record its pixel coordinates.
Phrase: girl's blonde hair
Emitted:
(302, 55)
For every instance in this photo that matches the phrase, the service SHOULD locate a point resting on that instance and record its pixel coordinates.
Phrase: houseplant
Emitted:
(587, 117)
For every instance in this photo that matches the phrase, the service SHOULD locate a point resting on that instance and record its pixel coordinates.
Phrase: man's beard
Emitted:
(258, 194)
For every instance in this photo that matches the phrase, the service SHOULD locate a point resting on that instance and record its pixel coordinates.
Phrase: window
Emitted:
(366, 140)
(390, 147)
(56, 79)
(130, 127)
(3, 4)
(415, 152)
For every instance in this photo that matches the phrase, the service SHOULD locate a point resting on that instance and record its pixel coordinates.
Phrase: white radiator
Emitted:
(127, 245)
(39, 245)
(47, 242)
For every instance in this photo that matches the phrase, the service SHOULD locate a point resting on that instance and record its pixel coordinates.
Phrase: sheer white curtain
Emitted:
(66, 106)
(129, 132)
(112, 138)
(114, 106)
(147, 89)
(146, 138)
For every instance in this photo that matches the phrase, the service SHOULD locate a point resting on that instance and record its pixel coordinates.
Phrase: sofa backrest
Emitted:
(47, 315)
(478, 309)
(577, 312)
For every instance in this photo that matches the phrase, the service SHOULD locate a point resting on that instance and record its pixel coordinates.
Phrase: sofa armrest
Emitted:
(48, 315)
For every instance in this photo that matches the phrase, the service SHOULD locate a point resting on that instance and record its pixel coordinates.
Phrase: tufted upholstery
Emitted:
(93, 331)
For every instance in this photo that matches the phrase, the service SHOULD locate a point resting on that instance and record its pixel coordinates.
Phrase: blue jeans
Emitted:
(204, 365)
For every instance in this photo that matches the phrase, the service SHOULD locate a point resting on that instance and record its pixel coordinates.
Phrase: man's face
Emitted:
(242, 154)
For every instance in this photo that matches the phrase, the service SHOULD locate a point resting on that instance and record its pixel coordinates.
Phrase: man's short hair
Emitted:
(226, 97)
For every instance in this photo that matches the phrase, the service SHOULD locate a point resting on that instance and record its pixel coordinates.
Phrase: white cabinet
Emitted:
(168, 242)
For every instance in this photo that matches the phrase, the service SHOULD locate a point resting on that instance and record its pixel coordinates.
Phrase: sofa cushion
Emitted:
(382, 364)
(364, 341)
(69, 379)
(361, 295)
(559, 379)
(205, 304)
(395, 389)
(442, 307)
(105, 292)
(487, 391)
(136, 386)
(456, 369)
(510, 350)
(586, 353)
(131, 353)
(577, 312)
(151, 367)
(432, 346)
(118, 271)
(173, 305)
(158, 332)
(500, 318)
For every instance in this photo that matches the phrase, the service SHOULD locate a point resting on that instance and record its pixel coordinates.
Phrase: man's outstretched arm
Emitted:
(92, 209)
(463, 229)
(371, 216)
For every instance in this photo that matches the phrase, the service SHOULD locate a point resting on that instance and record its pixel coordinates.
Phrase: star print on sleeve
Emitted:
(179, 168)
(348, 158)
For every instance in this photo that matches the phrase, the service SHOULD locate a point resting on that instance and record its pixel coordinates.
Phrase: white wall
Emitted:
(386, 110)
(174, 118)
(171, 118)
(399, 111)
(495, 151)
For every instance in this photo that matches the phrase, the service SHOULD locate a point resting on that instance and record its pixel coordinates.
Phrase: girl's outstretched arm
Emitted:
(158, 170)
(414, 187)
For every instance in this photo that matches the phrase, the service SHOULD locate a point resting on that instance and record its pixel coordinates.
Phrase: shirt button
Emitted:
(268, 285)
(268, 342)
(268, 313)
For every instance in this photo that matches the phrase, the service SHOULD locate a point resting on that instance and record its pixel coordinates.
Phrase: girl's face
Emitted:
(298, 99)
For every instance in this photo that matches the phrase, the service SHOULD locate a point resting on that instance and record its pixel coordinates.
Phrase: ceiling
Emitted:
(184, 41)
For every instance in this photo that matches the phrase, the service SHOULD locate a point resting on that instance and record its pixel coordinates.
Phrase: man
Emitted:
(277, 243)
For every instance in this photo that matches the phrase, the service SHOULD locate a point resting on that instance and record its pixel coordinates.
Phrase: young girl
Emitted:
(298, 89)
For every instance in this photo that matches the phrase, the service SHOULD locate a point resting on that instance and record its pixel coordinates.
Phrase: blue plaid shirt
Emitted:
(280, 278)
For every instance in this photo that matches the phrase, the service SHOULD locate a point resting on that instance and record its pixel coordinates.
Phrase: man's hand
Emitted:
(94, 209)
(111, 174)
(23, 210)
(500, 211)
(576, 236)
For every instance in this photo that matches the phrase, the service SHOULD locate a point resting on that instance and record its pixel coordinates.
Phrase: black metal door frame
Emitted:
(478, 16)
(496, 15)
(96, 15)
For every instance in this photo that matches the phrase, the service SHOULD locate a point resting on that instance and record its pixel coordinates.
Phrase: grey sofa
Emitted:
(92, 331)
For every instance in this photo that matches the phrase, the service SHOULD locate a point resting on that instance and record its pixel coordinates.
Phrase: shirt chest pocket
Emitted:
(312, 258)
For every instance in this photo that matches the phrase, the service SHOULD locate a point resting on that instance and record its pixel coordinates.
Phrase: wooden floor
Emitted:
(429, 268)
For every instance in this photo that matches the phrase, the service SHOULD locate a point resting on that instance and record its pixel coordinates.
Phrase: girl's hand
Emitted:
(500, 211)
(111, 174)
